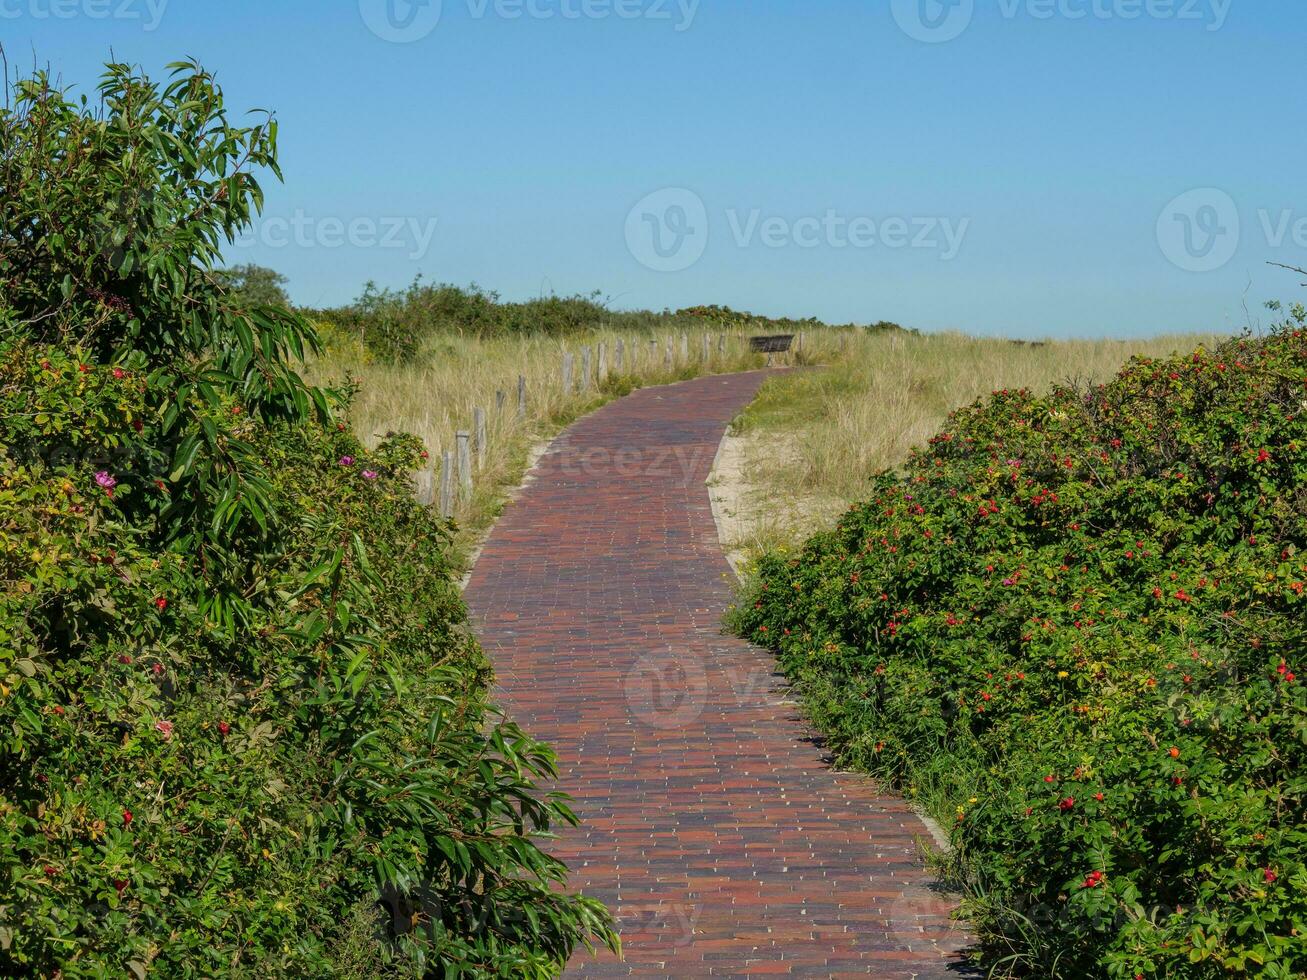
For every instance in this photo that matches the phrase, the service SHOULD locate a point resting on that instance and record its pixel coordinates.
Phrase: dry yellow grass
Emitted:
(805, 448)
(813, 438)
(434, 397)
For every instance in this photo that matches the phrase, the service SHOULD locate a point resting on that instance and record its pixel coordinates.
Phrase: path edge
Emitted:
(736, 561)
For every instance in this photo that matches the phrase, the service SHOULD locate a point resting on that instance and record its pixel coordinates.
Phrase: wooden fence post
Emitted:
(585, 368)
(422, 487)
(447, 484)
(619, 355)
(500, 398)
(521, 396)
(670, 357)
(707, 354)
(479, 430)
(601, 366)
(685, 347)
(464, 462)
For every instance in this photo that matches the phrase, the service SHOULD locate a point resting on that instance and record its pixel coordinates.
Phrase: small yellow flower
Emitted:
(1062, 675)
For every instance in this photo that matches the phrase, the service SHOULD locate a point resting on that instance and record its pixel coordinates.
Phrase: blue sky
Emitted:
(1025, 167)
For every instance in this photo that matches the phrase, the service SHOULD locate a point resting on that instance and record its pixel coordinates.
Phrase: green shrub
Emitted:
(1074, 628)
(397, 325)
(394, 325)
(243, 725)
(253, 285)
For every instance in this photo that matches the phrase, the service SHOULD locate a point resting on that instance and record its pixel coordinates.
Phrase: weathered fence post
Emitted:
(721, 343)
(500, 398)
(601, 366)
(521, 396)
(479, 430)
(464, 462)
(422, 487)
(685, 347)
(670, 357)
(619, 355)
(585, 368)
(653, 354)
(707, 354)
(447, 484)
(567, 372)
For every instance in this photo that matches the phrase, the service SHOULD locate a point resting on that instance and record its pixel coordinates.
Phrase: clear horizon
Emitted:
(1026, 168)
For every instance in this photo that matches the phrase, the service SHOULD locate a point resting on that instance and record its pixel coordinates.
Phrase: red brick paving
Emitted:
(711, 824)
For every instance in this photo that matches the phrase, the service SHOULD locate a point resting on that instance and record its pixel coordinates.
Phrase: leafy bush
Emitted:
(1073, 627)
(243, 726)
(253, 285)
(726, 315)
(394, 325)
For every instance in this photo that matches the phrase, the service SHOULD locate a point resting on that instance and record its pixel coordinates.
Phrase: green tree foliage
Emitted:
(252, 285)
(243, 726)
(1074, 626)
(394, 324)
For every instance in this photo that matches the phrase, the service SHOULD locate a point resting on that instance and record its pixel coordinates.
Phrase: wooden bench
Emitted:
(776, 344)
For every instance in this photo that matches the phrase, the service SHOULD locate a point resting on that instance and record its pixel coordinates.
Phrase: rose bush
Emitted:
(243, 722)
(1073, 627)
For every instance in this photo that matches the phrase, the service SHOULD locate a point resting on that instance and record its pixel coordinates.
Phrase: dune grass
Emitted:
(812, 438)
(808, 443)
(435, 395)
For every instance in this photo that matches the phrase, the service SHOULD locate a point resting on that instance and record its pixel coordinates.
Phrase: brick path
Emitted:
(710, 823)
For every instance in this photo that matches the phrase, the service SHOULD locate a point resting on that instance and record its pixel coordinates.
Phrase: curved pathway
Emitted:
(710, 822)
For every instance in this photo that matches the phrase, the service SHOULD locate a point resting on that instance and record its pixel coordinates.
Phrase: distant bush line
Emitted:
(395, 325)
